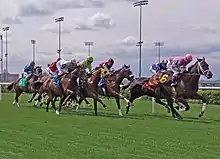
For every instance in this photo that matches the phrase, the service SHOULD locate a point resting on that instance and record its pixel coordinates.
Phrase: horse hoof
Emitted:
(34, 105)
(200, 115)
(57, 112)
(29, 101)
(177, 107)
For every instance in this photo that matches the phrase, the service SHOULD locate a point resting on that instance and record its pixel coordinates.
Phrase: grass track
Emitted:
(30, 133)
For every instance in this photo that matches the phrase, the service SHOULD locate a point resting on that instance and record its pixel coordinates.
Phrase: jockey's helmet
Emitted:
(188, 57)
(90, 59)
(73, 60)
(111, 61)
(164, 63)
(32, 63)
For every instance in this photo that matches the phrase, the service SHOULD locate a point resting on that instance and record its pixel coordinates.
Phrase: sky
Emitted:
(113, 25)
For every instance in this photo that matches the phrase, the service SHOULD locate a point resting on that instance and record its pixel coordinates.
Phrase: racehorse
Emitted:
(47, 86)
(28, 87)
(187, 86)
(113, 85)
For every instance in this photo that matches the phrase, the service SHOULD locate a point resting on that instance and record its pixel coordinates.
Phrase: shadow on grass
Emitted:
(89, 111)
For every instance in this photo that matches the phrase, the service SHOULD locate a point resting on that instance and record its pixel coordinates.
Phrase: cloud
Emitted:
(97, 21)
(49, 7)
(34, 9)
(12, 20)
(129, 41)
(54, 29)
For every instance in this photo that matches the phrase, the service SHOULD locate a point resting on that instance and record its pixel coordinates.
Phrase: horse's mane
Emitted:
(190, 67)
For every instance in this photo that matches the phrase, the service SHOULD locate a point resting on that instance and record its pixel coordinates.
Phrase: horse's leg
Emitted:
(119, 106)
(48, 103)
(203, 109)
(184, 107)
(95, 106)
(133, 95)
(17, 95)
(35, 93)
(61, 102)
(157, 100)
(169, 99)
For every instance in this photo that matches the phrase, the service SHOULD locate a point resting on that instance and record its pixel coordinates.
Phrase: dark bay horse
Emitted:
(113, 85)
(188, 84)
(28, 88)
(90, 89)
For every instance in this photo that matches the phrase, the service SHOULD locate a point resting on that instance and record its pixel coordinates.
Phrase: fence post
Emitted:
(153, 105)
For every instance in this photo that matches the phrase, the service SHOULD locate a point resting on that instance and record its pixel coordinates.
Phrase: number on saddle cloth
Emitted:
(164, 78)
(22, 82)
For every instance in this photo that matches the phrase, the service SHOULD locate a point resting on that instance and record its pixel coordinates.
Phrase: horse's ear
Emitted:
(203, 58)
(129, 66)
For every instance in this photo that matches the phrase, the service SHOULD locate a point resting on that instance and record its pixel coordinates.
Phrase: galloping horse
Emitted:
(47, 86)
(187, 86)
(113, 85)
(28, 88)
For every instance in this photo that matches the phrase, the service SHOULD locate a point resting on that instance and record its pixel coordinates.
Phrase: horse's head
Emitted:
(38, 70)
(79, 71)
(203, 68)
(126, 72)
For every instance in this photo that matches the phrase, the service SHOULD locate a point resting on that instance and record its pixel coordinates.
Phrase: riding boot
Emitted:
(104, 91)
(174, 81)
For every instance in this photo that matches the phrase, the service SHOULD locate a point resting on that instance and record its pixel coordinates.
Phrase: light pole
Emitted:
(59, 20)
(140, 42)
(159, 44)
(6, 52)
(1, 59)
(33, 42)
(89, 44)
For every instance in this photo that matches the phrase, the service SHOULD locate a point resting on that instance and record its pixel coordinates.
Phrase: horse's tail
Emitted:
(10, 86)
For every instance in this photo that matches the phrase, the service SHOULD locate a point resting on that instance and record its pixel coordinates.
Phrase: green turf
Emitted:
(30, 133)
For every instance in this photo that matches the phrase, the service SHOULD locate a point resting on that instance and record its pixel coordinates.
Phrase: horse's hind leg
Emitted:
(157, 100)
(119, 106)
(17, 95)
(197, 96)
(35, 93)
(184, 107)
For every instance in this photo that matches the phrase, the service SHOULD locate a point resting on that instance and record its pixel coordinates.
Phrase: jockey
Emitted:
(178, 66)
(159, 67)
(62, 67)
(29, 69)
(106, 66)
(52, 68)
(87, 63)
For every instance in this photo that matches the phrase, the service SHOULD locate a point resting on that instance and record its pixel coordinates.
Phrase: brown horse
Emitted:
(113, 85)
(48, 87)
(28, 88)
(90, 89)
(188, 84)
